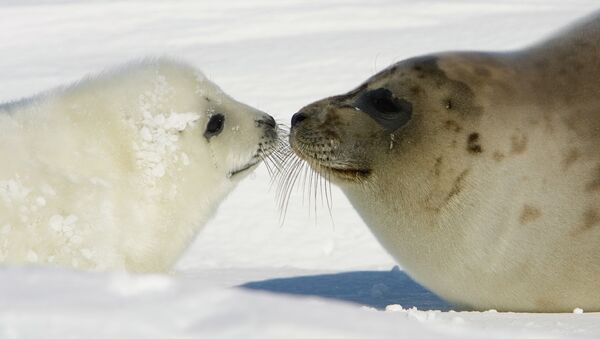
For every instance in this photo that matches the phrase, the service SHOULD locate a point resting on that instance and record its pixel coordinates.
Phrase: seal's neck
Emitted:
(412, 223)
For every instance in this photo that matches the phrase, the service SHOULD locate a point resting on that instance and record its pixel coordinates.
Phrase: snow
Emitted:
(316, 275)
(45, 303)
(159, 139)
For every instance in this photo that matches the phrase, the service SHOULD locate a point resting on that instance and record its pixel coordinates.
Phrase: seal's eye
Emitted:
(214, 126)
(381, 105)
(383, 101)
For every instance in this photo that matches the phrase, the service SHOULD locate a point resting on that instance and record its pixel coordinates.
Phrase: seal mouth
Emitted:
(260, 155)
(266, 148)
(253, 162)
(328, 168)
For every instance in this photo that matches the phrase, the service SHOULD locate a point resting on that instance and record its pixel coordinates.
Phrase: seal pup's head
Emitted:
(237, 136)
(188, 123)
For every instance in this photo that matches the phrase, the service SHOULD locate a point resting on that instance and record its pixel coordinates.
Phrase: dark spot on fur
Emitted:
(463, 97)
(498, 156)
(437, 166)
(518, 143)
(473, 145)
(458, 185)
(452, 125)
(529, 214)
(570, 158)
(590, 218)
(594, 185)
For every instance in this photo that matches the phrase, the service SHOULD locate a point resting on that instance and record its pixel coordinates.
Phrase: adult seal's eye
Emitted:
(214, 126)
(381, 105)
(383, 101)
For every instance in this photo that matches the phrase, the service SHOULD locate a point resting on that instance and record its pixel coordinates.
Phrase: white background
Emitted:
(277, 56)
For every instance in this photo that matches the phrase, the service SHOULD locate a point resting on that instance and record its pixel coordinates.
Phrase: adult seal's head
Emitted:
(385, 118)
(479, 172)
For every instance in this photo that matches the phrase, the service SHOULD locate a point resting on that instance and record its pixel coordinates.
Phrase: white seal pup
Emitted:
(479, 172)
(121, 170)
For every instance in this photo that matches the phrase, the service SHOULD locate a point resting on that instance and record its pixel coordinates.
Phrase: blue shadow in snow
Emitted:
(370, 288)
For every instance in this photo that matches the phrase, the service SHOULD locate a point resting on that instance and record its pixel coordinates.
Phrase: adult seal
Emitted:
(121, 170)
(479, 172)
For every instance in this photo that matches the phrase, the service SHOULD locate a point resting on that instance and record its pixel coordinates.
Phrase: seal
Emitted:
(121, 170)
(479, 172)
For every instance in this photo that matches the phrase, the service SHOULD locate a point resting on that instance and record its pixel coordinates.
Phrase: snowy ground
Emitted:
(277, 56)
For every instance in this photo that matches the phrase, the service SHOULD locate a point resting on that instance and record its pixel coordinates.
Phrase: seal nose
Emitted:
(267, 120)
(296, 118)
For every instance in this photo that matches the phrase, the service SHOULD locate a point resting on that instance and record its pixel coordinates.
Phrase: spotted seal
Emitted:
(479, 172)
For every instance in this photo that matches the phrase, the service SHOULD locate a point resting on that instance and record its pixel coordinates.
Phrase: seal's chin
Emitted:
(251, 164)
(333, 170)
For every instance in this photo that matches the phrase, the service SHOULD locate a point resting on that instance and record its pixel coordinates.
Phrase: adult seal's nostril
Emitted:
(296, 118)
(267, 120)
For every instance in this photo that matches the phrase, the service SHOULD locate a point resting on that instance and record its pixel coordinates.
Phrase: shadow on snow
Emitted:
(370, 288)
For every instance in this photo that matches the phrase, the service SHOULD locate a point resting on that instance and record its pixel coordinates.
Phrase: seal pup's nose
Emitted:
(296, 118)
(267, 120)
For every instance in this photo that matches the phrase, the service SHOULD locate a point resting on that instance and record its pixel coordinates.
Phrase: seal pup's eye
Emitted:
(214, 126)
(381, 105)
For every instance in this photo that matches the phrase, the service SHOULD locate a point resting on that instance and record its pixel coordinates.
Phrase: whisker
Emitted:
(292, 173)
(288, 189)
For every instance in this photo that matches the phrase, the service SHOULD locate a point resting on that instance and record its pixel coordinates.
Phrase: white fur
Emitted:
(114, 172)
